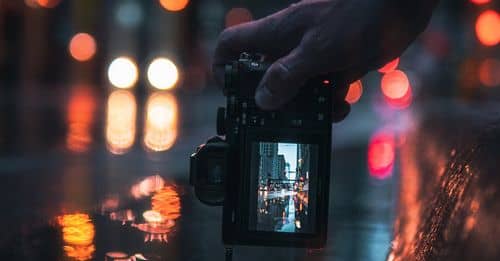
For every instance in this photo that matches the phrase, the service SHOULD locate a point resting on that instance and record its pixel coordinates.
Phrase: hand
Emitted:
(344, 38)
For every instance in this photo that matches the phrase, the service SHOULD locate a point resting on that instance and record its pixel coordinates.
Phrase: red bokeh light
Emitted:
(389, 67)
(174, 5)
(237, 16)
(489, 72)
(401, 103)
(488, 28)
(81, 108)
(395, 84)
(381, 155)
(48, 3)
(82, 47)
(480, 2)
(355, 92)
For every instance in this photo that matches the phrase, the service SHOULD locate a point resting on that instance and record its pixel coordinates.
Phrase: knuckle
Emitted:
(227, 36)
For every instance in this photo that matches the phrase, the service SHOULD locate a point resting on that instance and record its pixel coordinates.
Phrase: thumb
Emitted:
(282, 80)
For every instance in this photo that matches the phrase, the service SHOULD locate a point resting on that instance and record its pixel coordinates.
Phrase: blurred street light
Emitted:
(162, 73)
(354, 93)
(129, 14)
(174, 5)
(390, 66)
(488, 28)
(480, 2)
(381, 154)
(82, 47)
(48, 3)
(122, 72)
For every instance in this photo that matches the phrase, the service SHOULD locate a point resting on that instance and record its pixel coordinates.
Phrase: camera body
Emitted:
(271, 173)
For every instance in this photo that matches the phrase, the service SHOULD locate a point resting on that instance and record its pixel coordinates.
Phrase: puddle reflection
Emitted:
(160, 220)
(157, 219)
(78, 235)
(120, 121)
(282, 211)
(160, 130)
(81, 108)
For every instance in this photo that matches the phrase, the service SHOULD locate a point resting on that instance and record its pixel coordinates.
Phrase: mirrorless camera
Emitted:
(270, 170)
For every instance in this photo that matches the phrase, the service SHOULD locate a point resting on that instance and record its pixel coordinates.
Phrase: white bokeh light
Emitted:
(122, 72)
(162, 73)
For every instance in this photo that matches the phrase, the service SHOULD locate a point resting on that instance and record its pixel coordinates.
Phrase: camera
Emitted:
(269, 170)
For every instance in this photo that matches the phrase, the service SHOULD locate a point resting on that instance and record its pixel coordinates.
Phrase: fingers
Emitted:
(274, 36)
(283, 79)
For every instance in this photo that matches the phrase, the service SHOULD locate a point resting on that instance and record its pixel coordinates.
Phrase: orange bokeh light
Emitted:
(167, 203)
(160, 220)
(489, 72)
(160, 130)
(174, 5)
(147, 186)
(48, 3)
(390, 66)
(381, 154)
(395, 84)
(81, 107)
(82, 47)
(480, 2)
(488, 28)
(354, 93)
(237, 16)
(120, 121)
(401, 103)
(78, 235)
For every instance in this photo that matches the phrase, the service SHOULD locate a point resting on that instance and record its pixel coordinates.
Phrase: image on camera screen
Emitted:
(283, 176)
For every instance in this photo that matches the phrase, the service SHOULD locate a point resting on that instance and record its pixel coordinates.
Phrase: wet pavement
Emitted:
(448, 208)
(113, 184)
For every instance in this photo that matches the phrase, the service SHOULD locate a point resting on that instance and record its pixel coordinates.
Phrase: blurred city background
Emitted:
(102, 102)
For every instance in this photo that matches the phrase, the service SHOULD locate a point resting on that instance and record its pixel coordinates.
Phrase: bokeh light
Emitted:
(120, 121)
(390, 66)
(31, 3)
(81, 107)
(48, 3)
(488, 28)
(161, 219)
(381, 154)
(147, 186)
(122, 72)
(160, 131)
(480, 2)
(174, 5)
(82, 47)
(129, 14)
(162, 73)
(354, 93)
(395, 84)
(166, 202)
(237, 16)
(78, 235)
(489, 72)
(403, 102)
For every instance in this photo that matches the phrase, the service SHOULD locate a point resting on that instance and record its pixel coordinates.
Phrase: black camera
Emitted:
(271, 172)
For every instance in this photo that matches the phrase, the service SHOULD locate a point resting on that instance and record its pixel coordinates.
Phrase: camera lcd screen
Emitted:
(283, 178)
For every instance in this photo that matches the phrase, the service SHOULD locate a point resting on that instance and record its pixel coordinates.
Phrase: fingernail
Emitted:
(264, 98)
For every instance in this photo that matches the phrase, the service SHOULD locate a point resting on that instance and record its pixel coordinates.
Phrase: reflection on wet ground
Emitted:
(282, 211)
(448, 205)
(108, 180)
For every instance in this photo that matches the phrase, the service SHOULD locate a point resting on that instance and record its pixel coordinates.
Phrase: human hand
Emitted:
(343, 38)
